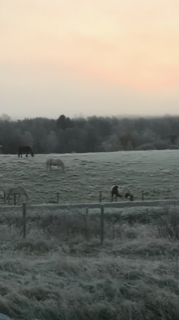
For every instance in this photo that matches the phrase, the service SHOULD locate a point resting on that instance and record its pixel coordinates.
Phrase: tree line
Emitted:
(92, 134)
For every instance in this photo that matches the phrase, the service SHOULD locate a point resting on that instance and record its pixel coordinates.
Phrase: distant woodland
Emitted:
(92, 134)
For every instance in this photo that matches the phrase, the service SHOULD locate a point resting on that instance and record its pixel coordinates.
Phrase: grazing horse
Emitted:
(19, 190)
(25, 149)
(55, 162)
(121, 192)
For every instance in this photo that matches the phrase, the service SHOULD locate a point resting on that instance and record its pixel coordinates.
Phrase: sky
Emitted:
(89, 57)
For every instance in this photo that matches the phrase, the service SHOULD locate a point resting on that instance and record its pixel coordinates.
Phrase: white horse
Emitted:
(55, 162)
(11, 191)
(117, 191)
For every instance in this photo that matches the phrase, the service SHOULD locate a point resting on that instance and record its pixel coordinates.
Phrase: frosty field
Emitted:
(61, 271)
(155, 172)
(56, 273)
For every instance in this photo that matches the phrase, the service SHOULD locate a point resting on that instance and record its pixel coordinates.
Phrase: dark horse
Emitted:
(120, 192)
(25, 149)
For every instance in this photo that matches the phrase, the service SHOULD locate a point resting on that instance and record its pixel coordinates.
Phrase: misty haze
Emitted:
(89, 160)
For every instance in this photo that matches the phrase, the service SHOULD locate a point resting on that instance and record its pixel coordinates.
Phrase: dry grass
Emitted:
(169, 224)
(57, 274)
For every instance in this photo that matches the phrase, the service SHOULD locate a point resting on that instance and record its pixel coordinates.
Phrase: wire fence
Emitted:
(72, 220)
(55, 198)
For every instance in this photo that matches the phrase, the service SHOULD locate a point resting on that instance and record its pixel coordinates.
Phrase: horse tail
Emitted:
(63, 166)
(32, 153)
(25, 193)
(48, 163)
(114, 190)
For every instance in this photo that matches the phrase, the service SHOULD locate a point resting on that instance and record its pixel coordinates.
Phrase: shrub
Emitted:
(146, 146)
(174, 147)
(162, 144)
(169, 223)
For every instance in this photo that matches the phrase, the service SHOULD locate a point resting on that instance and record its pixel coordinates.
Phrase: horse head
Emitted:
(131, 197)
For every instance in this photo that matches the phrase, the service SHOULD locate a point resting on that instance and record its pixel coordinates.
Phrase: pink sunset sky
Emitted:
(89, 57)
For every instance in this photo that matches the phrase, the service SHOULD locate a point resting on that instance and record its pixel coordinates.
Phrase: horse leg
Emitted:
(8, 199)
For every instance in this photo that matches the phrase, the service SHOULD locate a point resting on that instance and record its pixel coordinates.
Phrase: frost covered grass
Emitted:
(58, 273)
(61, 271)
(155, 172)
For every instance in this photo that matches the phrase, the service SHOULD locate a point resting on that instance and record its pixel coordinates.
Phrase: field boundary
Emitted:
(129, 204)
(24, 208)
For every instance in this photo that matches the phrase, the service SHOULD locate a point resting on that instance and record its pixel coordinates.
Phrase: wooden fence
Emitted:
(87, 206)
(57, 198)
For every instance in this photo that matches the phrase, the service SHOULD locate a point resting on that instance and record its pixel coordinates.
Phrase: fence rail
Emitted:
(25, 208)
(97, 205)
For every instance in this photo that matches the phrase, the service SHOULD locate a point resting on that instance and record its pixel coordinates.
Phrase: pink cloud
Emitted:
(128, 43)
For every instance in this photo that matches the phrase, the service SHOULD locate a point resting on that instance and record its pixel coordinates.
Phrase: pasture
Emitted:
(155, 172)
(57, 273)
(60, 271)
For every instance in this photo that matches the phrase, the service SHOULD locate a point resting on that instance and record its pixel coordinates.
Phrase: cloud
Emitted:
(125, 43)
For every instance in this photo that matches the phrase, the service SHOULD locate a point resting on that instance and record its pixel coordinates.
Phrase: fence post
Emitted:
(24, 219)
(142, 195)
(86, 224)
(15, 199)
(102, 224)
(57, 197)
(100, 196)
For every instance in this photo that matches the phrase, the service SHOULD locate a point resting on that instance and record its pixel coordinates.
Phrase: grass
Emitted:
(154, 172)
(56, 273)
(61, 271)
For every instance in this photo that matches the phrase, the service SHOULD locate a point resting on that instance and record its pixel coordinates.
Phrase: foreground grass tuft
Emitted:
(59, 273)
